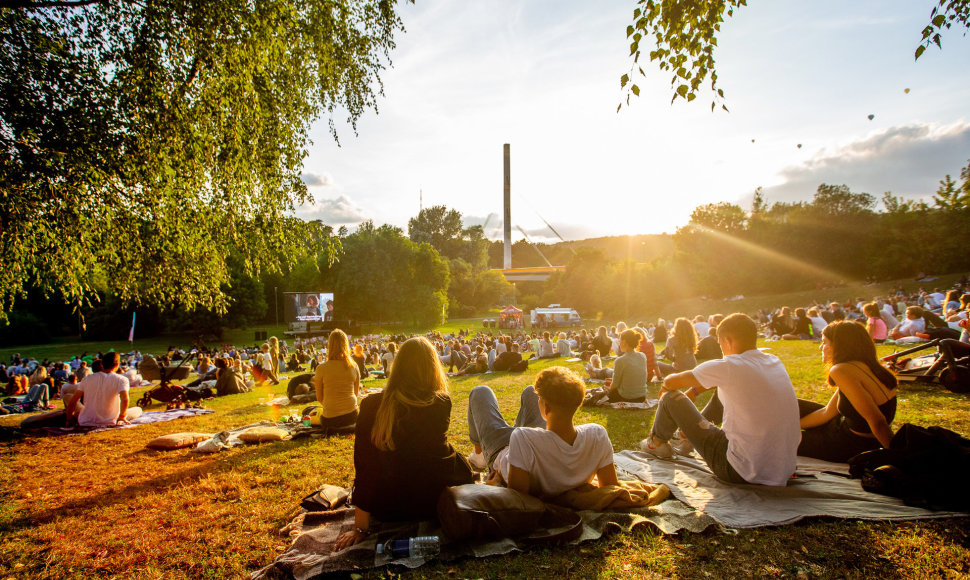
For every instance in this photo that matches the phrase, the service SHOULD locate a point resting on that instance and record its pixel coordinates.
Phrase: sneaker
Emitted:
(662, 451)
(682, 447)
(477, 460)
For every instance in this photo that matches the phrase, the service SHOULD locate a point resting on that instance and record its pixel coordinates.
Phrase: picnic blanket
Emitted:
(316, 533)
(820, 488)
(596, 397)
(144, 419)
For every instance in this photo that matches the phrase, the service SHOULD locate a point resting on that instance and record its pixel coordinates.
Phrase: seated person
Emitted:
(508, 360)
(912, 325)
(546, 348)
(477, 364)
(595, 370)
(858, 416)
(543, 454)
(402, 457)
(228, 380)
(802, 326)
(680, 347)
(105, 397)
(388, 357)
(629, 371)
(337, 383)
(293, 365)
(359, 359)
(562, 346)
(649, 351)
(875, 324)
(760, 435)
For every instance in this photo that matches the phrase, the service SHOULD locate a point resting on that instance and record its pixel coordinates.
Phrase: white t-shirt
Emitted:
(102, 401)
(555, 466)
(760, 414)
(703, 329)
(911, 327)
(818, 325)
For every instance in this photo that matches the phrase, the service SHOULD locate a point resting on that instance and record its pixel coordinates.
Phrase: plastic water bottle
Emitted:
(417, 547)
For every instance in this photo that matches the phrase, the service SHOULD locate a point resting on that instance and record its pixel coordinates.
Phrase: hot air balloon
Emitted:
(906, 91)
(871, 117)
(752, 140)
(799, 145)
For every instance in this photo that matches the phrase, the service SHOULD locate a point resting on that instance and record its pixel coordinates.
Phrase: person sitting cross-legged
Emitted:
(543, 454)
(760, 435)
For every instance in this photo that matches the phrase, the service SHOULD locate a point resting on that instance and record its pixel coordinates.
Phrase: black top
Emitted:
(603, 344)
(361, 366)
(857, 422)
(708, 349)
(803, 325)
(404, 484)
(660, 334)
(506, 360)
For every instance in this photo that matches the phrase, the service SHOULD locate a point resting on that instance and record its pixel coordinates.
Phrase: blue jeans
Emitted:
(676, 410)
(487, 427)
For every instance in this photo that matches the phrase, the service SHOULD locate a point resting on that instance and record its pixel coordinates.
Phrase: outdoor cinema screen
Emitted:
(308, 306)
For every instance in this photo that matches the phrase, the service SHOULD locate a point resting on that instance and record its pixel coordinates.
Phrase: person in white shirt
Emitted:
(818, 323)
(105, 397)
(911, 326)
(543, 454)
(760, 435)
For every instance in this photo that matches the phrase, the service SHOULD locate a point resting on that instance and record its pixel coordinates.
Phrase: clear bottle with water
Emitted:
(417, 547)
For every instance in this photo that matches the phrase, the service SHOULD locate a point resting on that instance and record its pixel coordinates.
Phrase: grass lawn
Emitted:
(102, 505)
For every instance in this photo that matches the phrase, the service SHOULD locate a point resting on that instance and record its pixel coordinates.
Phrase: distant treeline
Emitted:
(440, 268)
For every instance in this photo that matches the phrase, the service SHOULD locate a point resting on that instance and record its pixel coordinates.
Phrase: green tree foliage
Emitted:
(473, 287)
(383, 276)
(141, 141)
(683, 34)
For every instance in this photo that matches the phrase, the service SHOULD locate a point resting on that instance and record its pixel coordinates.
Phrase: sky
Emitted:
(543, 76)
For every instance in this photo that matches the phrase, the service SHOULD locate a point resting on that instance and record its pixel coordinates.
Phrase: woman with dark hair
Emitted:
(601, 342)
(680, 348)
(858, 416)
(402, 457)
(802, 326)
(782, 323)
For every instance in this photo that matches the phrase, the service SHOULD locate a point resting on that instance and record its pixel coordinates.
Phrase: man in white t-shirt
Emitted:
(760, 434)
(543, 454)
(105, 396)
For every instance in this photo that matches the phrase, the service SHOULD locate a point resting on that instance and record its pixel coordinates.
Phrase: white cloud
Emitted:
(317, 179)
(338, 211)
(908, 160)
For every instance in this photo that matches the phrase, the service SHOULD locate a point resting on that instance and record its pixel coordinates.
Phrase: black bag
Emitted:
(925, 467)
(477, 511)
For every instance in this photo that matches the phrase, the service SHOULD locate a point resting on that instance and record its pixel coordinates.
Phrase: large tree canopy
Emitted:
(140, 141)
(683, 34)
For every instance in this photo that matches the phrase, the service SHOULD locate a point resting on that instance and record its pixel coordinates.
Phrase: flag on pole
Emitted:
(131, 334)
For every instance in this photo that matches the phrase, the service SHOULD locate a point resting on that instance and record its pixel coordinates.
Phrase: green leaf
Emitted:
(939, 20)
(636, 90)
(682, 90)
(624, 80)
(629, 31)
(920, 50)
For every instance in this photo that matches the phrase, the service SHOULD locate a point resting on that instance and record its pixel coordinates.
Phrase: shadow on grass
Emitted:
(136, 491)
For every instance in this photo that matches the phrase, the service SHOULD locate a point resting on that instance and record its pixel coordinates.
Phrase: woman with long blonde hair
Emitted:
(337, 383)
(402, 457)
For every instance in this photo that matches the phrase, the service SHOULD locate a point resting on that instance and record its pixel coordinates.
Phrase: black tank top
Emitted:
(857, 422)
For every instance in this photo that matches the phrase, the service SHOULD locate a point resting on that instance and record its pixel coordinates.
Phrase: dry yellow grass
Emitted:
(103, 506)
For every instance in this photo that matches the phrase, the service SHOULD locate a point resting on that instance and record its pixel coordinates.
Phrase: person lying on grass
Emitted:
(760, 435)
(543, 454)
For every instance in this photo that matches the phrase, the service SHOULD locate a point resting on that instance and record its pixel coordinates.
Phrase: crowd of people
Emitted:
(750, 430)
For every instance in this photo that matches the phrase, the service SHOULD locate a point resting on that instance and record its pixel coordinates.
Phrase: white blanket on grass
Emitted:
(820, 489)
